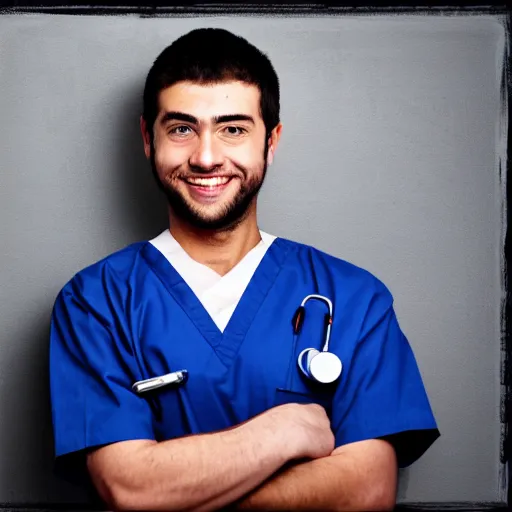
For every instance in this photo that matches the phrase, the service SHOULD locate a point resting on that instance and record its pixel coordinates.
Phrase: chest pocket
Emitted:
(284, 396)
(304, 391)
(296, 387)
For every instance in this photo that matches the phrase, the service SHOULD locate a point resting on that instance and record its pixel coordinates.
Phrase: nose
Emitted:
(207, 154)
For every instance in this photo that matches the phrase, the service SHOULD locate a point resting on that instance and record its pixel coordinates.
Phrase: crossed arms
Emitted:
(283, 459)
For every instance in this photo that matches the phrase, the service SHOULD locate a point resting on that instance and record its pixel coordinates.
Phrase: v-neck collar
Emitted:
(203, 280)
(227, 343)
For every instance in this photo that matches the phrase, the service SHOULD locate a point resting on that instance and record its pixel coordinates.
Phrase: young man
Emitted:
(180, 375)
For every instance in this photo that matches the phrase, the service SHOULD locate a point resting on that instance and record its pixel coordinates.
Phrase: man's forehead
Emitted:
(211, 99)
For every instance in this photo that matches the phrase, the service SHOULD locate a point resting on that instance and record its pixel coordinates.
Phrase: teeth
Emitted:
(208, 182)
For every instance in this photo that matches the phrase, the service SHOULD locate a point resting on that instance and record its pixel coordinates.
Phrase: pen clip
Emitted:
(143, 386)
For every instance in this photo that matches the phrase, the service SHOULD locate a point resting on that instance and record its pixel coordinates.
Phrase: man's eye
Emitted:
(180, 130)
(235, 130)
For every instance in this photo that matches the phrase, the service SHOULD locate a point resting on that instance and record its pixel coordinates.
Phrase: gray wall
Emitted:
(388, 159)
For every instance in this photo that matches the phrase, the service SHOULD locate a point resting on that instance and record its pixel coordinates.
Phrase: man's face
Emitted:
(208, 151)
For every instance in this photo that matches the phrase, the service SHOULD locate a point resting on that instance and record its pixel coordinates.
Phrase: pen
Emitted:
(143, 386)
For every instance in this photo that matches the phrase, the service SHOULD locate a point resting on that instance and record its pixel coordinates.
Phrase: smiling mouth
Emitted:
(215, 181)
(207, 189)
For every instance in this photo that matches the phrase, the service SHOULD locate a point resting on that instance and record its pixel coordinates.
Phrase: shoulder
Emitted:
(107, 272)
(340, 273)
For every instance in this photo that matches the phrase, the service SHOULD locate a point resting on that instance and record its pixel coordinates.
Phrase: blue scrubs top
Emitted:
(131, 317)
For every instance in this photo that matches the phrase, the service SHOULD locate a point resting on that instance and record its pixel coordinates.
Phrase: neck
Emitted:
(219, 250)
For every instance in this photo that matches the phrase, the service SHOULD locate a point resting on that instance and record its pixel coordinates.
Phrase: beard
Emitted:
(232, 213)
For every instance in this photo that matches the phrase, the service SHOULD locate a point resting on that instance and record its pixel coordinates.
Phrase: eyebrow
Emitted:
(187, 118)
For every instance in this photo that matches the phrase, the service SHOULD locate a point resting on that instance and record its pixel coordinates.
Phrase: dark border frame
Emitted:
(328, 8)
(215, 7)
(506, 305)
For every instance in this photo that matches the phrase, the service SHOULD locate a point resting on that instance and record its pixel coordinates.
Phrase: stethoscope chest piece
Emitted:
(322, 367)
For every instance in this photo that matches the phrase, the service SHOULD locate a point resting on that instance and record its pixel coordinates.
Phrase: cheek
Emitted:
(250, 158)
(167, 158)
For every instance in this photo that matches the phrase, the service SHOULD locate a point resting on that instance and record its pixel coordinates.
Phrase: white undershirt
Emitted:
(218, 294)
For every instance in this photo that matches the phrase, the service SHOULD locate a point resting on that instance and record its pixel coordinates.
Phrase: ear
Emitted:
(275, 136)
(146, 137)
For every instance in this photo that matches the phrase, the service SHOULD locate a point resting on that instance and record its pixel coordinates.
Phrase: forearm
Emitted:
(332, 483)
(202, 472)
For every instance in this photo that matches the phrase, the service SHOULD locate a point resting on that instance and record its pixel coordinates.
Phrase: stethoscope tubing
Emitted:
(325, 300)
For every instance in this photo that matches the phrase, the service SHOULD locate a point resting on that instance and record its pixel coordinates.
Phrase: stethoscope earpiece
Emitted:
(321, 366)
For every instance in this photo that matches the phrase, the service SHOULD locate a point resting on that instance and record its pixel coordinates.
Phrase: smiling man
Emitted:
(218, 366)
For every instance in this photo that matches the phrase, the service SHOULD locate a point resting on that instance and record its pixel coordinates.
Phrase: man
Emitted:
(180, 375)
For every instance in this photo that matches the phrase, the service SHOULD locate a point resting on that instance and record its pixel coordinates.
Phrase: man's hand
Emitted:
(306, 427)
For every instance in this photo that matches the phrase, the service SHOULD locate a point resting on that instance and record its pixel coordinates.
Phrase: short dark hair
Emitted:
(213, 55)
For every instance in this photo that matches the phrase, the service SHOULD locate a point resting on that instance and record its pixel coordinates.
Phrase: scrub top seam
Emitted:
(416, 424)
(199, 325)
(232, 341)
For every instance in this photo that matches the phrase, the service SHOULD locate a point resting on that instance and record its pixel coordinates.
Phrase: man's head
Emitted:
(210, 125)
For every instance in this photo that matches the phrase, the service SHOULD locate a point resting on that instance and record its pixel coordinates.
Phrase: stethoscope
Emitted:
(322, 366)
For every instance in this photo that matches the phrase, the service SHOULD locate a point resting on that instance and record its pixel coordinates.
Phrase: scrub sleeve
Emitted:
(92, 369)
(383, 395)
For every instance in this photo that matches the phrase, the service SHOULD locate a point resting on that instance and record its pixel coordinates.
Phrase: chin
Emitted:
(227, 220)
(215, 223)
